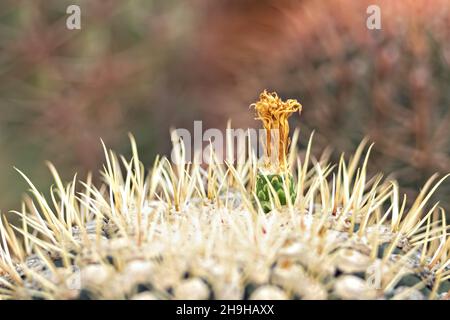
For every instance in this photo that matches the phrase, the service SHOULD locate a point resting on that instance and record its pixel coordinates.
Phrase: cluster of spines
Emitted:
(47, 226)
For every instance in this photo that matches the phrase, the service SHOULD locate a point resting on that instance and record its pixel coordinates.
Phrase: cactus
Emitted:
(270, 187)
(181, 232)
(278, 183)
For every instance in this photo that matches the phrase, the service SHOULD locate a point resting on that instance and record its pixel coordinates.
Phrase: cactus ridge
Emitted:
(265, 194)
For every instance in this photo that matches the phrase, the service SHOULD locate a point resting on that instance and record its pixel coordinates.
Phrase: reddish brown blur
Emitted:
(143, 66)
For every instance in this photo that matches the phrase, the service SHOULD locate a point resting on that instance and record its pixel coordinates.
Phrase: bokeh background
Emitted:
(143, 66)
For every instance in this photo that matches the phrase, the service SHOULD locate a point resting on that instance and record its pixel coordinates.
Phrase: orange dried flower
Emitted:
(274, 114)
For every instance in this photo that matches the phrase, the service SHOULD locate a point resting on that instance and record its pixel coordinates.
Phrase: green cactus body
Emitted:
(264, 193)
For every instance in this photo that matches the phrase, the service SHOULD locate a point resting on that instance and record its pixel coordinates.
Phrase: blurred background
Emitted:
(143, 66)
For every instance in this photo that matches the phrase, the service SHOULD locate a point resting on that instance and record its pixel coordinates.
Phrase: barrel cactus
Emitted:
(180, 231)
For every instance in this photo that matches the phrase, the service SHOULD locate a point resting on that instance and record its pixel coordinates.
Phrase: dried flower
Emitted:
(274, 114)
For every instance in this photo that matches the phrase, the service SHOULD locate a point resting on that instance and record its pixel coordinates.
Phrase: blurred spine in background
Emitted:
(143, 66)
